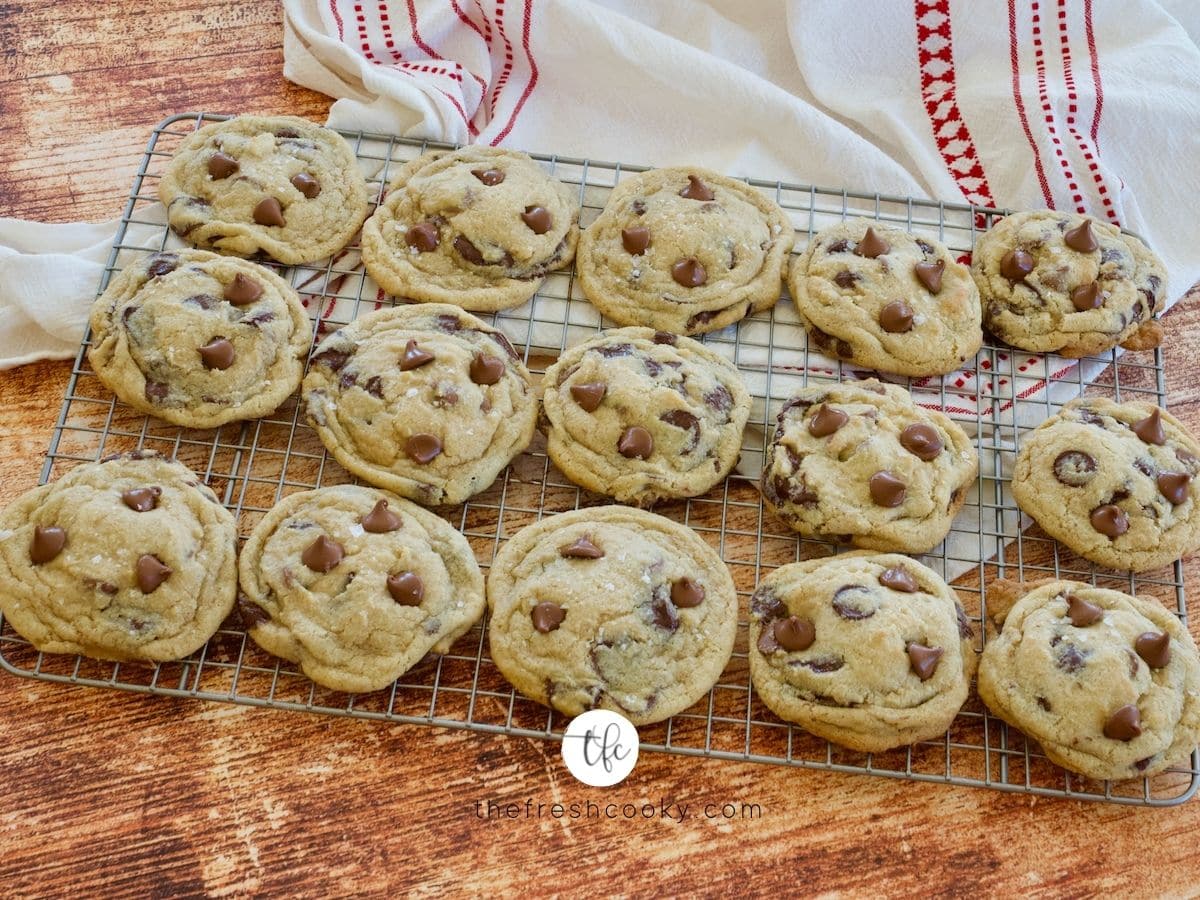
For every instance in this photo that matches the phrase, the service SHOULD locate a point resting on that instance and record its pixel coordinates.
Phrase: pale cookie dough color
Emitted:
(888, 300)
(1108, 684)
(642, 415)
(1115, 482)
(356, 585)
(860, 463)
(1056, 282)
(478, 227)
(278, 185)
(684, 250)
(198, 339)
(423, 400)
(868, 651)
(611, 608)
(127, 559)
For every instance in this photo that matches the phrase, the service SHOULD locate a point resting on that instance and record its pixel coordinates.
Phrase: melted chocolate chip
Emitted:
(156, 391)
(794, 634)
(141, 499)
(306, 184)
(930, 275)
(486, 369)
(47, 543)
(845, 279)
(924, 660)
(1124, 725)
(697, 190)
(406, 588)
(468, 251)
(374, 386)
(840, 246)
(826, 420)
(217, 354)
(423, 237)
(242, 290)
(635, 443)
(1081, 613)
(490, 177)
(151, 572)
(635, 240)
(448, 323)
(333, 359)
(380, 520)
(1087, 296)
(1074, 468)
(899, 579)
(1016, 264)
(582, 548)
(422, 447)
(964, 627)
(823, 665)
(538, 219)
(589, 394)
(547, 616)
(414, 357)
(681, 418)
(203, 301)
(1067, 656)
(1150, 429)
(161, 264)
(719, 399)
(1110, 520)
(922, 441)
(1081, 238)
(886, 489)
(662, 612)
(686, 593)
(221, 166)
(872, 245)
(1154, 647)
(323, 554)
(854, 602)
(896, 317)
(269, 212)
(688, 272)
(1174, 486)
(1145, 467)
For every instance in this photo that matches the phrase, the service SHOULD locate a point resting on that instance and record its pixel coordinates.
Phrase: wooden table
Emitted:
(130, 794)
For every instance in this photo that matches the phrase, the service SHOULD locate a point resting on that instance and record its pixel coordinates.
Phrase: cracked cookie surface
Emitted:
(611, 608)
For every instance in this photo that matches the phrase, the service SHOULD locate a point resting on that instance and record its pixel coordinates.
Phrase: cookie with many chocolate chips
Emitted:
(868, 651)
(642, 415)
(1115, 482)
(1057, 282)
(278, 185)
(1108, 684)
(423, 400)
(356, 585)
(886, 299)
(131, 558)
(611, 608)
(198, 339)
(861, 463)
(479, 227)
(684, 250)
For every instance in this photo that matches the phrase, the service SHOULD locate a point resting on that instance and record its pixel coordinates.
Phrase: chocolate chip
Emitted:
(162, 263)
(582, 548)
(681, 418)
(203, 301)
(1074, 468)
(688, 272)
(141, 499)
(1016, 264)
(423, 237)
(422, 447)
(687, 593)
(1087, 296)
(589, 394)
(306, 184)
(930, 275)
(899, 579)
(242, 290)
(821, 666)
(872, 245)
(887, 489)
(1081, 613)
(47, 543)
(1110, 520)
(697, 190)
(323, 554)
(333, 359)
(490, 177)
(1150, 429)
(826, 420)
(1154, 647)
(538, 219)
(380, 520)
(221, 166)
(151, 572)
(635, 240)
(374, 386)
(1124, 725)
(841, 246)
(719, 399)
(468, 251)
(448, 323)
(662, 612)
(924, 659)
(635, 443)
(922, 441)
(766, 639)
(486, 369)
(414, 357)
(794, 634)
(406, 588)
(1081, 238)
(217, 354)
(287, 133)
(896, 317)
(156, 391)
(845, 279)
(1174, 486)
(1068, 657)
(268, 212)
(547, 616)
(854, 602)
(1044, 704)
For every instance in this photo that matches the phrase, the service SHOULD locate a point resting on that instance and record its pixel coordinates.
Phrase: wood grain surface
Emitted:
(106, 793)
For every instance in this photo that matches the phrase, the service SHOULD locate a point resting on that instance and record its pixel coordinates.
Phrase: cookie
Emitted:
(131, 558)
(641, 415)
(868, 651)
(356, 585)
(277, 185)
(424, 400)
(859, 463)
(1057, 282)
(684, 250)
(885, 299)
(611, 608)
(1114, 482)
(478, 227)
(1108, 684)
(198, 339)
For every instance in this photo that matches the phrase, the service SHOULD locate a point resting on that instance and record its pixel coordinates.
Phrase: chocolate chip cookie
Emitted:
(684, 250)
(199, 339)
(478, 227)
(1114, 482)
(356, 585)
(423, 400)
(1057, 282)
(868, 651)
(642, 415)
(278, 185)
(611, 608)
(1108, 684)
(885, 299)
(127, 559)
(861, 463)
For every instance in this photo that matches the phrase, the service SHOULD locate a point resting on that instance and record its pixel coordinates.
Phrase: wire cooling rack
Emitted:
(252, 465)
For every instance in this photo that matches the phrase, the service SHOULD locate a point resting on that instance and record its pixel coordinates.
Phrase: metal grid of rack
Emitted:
(252, 465)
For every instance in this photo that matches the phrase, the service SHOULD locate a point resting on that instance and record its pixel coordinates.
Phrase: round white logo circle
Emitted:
(600, 747)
